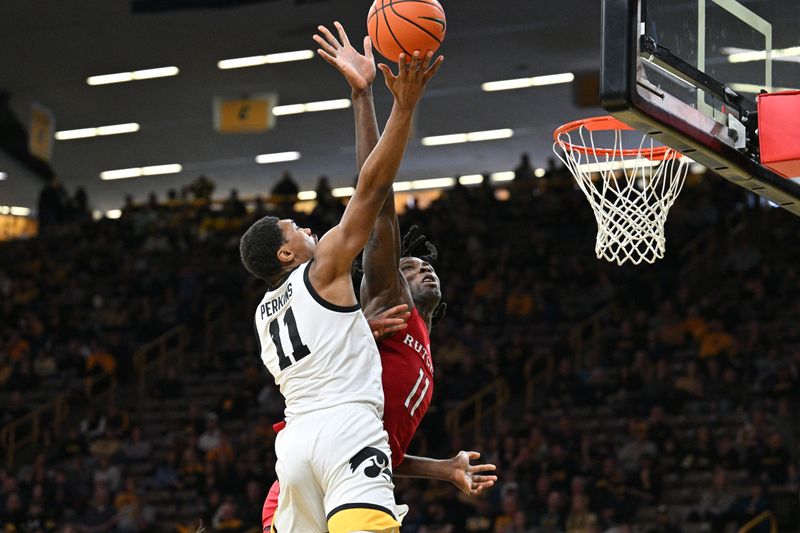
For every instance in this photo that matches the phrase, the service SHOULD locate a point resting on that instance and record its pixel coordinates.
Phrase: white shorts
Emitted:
(335, 471)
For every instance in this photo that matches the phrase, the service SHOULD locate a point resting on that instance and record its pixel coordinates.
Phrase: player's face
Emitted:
(300, 241)
(422, 281)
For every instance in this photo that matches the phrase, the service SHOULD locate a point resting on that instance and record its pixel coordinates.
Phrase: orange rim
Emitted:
(609, 123)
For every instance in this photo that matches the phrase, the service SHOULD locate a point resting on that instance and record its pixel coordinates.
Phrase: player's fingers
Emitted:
(397, 310)
(434, 69)
(342, 34)
(484, 479)
(426, 61)
(416, 61)
(403, 65)
(473, 455)
(482, 468)
(326, 56)
(387, 73)
(394, 329)
(329, 36)
(325, 45)
(368, 47)
(483, 487)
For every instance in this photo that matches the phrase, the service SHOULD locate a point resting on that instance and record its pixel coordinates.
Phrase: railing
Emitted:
(43, 422)
(755, 522)
(538, 369)
(491, 399)
(153, 357)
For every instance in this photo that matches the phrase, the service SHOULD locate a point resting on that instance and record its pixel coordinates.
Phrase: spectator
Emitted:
(136, 449)
(717, 502)
(580, 518)
(211, 438)
(100, 516)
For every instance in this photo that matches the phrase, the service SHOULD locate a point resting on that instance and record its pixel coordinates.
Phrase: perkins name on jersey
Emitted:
(271, 307)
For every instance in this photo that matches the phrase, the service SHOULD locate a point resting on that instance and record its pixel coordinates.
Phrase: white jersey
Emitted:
(321, 355)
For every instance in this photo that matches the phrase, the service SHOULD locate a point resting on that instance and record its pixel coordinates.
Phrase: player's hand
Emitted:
(412, 77)
(389, 322)
(470, 479)
(357, 69)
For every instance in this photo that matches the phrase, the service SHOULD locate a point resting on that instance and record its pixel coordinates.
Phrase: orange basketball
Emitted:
(402, 26)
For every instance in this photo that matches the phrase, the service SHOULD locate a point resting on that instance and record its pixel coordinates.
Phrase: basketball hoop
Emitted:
(630, 190)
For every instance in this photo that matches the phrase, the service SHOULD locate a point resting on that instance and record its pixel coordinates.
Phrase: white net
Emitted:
(630, 194)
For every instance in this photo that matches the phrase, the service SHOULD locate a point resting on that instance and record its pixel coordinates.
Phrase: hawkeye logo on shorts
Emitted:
(378, 463)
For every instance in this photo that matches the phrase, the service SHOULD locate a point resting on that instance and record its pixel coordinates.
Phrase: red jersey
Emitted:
(407, 383)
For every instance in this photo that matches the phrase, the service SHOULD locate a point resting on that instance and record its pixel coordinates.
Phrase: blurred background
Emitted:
(651, 399)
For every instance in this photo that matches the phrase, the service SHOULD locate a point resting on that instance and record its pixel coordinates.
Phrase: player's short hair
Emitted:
(259, 246)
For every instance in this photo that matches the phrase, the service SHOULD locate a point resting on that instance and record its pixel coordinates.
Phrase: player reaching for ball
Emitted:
(333, 453)
(392, 275)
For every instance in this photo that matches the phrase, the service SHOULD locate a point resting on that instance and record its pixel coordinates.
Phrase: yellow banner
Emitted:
(40, 137)
(244, 115)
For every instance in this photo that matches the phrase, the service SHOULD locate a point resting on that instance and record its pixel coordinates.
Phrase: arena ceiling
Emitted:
(50, 47)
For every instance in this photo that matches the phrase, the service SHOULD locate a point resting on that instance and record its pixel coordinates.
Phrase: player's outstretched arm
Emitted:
(468, 478)
(342, 244)
(382, 285)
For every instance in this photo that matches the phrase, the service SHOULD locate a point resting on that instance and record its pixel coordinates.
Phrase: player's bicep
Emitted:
(340, 246)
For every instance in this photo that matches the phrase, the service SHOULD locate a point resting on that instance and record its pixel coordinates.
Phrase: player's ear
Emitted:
(285, 255)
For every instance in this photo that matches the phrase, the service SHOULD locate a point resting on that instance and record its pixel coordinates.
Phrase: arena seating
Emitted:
(638, 399)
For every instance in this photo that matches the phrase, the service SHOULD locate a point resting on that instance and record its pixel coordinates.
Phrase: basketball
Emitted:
(402, 26)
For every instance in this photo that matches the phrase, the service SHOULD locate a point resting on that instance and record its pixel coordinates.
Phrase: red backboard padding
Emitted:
(779, 132)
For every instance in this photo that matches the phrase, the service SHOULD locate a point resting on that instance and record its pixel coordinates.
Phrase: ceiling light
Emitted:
(523, 83)
(503, 176)
(13, 210)
(439, 140)
(157, 170)
(475, 136)
(761, 55)
(280, 157)
(307, 195)
(470, 179)
(83, 133)
(310, 107)
(435, 183)
(3, 176)
(120, 77)
(285, 57)
(114, 213)
(342, 192)
(539, 172)
(254, 61)
(154, 170)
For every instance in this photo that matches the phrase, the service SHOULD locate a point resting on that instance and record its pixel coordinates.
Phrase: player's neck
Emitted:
(427, 317)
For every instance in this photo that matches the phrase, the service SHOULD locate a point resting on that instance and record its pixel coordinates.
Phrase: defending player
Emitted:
(333, 454)
(393, 276)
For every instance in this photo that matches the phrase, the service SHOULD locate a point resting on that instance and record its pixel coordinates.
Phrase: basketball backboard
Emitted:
(687, 72)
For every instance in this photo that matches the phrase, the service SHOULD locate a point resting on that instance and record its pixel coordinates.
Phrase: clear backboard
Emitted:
(687, 73)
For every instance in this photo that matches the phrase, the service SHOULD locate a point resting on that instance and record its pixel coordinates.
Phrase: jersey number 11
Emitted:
(299, 350)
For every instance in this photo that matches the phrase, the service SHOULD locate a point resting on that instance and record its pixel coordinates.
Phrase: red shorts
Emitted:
(270, 506)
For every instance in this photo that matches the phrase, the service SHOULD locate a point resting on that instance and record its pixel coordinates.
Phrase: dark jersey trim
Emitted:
(372, 506)
(322, 301)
